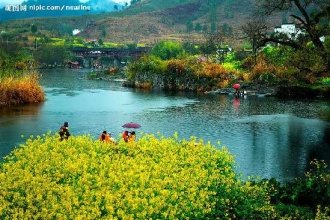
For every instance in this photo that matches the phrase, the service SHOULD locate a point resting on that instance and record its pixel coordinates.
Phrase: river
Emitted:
(268, 136)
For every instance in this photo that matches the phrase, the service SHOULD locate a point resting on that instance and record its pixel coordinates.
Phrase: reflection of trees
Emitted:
(296, 146)
(321, 150)
(9, 111)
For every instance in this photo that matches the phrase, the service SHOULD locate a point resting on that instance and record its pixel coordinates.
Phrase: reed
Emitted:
(23, 89)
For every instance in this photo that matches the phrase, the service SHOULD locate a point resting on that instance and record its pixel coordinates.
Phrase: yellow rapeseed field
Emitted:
(83, 178)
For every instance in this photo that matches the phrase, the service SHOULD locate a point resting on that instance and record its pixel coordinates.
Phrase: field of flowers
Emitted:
(153, 178)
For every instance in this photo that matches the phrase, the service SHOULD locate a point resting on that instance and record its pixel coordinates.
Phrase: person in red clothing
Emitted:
(125, 136)
(105, 136)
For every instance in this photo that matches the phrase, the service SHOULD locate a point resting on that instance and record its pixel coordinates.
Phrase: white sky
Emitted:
(13, 2)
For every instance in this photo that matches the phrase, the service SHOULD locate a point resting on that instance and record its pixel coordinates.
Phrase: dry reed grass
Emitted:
(21, 90)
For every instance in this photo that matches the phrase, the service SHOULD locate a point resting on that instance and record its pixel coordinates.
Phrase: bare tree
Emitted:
(255, 30)
(212, 42)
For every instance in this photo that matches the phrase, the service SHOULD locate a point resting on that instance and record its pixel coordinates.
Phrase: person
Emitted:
(64, 131)
(111, 139)
(125, 136)
(132, 137)
(105, 136)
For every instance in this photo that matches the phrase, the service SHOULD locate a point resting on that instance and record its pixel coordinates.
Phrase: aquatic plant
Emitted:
(23, 89)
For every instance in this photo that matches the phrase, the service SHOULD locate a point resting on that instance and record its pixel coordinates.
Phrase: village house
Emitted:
(290, 29)
(75, 32)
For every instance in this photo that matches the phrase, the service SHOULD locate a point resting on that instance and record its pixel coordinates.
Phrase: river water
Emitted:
(269, 137)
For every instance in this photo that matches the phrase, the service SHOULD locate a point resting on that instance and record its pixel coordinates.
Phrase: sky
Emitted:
(13, 2)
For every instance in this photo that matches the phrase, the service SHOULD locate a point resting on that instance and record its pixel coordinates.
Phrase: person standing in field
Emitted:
(125, 136)
(64, 131)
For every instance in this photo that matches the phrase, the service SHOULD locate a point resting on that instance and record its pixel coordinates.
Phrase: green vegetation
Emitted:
(18, 79)
(178, 65)
(153, 178)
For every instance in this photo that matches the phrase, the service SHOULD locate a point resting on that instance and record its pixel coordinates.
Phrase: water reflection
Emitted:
(269, 137)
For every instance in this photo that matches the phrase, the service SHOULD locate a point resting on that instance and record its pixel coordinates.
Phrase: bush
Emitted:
(303, 198)
(20, 90)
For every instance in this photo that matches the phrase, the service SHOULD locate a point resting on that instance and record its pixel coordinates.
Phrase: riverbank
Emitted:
(279, 90)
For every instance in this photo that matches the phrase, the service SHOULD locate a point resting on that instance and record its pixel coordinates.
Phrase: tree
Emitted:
(115, 7)
(34, 29)
(104, 32)
(167, 50)
(198, 27)
(49, 54)
(189, 26)
(255, 31)
(212, 43)
(213, 27)
(309, 14)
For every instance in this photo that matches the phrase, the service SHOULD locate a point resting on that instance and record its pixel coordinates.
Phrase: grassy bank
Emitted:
(153, 178)
(15, 90)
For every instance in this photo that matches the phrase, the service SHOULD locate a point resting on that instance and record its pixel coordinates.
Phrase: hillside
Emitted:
(147, 21)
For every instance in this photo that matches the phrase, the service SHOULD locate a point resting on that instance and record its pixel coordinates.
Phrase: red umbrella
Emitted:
(236, 86)
(131, 125)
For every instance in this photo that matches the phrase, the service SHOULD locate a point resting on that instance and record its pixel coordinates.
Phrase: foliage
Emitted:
(14, 60)
(167, 50)
(325, 80)
(177, 67)
(190, 48)
(311, 15)
(155, 177)
(303, 197)
(180, 73)
(146, 65)
(34, 29)
(51, 54)
(16, 90)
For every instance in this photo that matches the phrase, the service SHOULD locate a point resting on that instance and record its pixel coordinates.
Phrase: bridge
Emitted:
(110, 52)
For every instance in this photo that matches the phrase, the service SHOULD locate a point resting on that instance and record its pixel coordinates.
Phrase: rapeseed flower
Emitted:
(83, 178)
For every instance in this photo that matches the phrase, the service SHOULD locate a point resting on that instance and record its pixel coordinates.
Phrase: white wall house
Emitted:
(290, 30)
(76, 31)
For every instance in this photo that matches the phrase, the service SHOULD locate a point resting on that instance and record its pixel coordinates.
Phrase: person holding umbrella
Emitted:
(132, 135)
(237, 87)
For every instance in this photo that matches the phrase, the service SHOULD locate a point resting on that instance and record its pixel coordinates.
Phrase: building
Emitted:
(290, 29)
(76, 31)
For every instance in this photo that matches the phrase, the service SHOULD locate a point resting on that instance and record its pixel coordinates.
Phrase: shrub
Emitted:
(20, 90)
(305, 197)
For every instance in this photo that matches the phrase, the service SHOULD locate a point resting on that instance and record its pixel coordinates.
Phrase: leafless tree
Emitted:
(255, 30)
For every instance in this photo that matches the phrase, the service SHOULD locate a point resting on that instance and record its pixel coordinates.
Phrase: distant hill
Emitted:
(149, 21)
